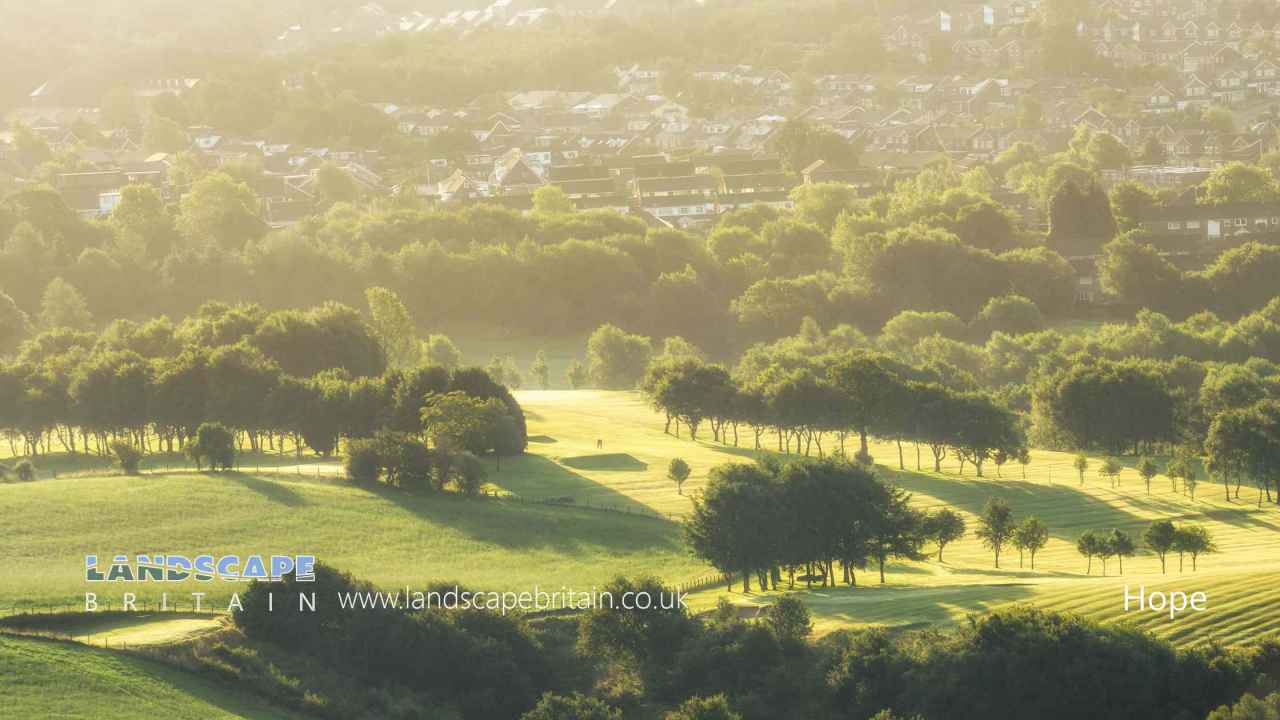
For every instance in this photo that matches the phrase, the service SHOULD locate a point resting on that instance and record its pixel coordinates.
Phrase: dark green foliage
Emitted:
(677, 472)
(789, 619)
(364, 462)
(868, 671)
(1107, 405)
(826, 515)
(406, 462)
(800, 144)
(214, 445)
(479, 664)
(1012, 314)
(1250, 708)
(571, 707)
(942, 527)
(467, 473)
(996, 527)
(1026, 663)
(331, 336)
(1159, 537)
(615, 359)
(1080, 220)
(128, 456)
(646, 640)
(716, 707)
(25, 471)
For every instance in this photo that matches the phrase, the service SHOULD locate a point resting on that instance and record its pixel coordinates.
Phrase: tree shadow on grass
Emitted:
(1011, 570)
(1065, 509)
(535, 477)
(276, 492)
(520, 525)
(542, 439)
(746, 454)
(605, 461)
(1250, 516)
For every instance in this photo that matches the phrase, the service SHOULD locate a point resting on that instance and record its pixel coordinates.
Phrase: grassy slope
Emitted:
(116, 629)
(393, 539)
(383, 535)
(45, 679)
(1240, 580)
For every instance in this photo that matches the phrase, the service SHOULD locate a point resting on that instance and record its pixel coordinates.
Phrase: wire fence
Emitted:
(114, 607)
(705, 582)
(102, 641)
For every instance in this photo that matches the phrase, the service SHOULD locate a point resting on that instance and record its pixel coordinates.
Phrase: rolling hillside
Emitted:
(1240, 579)
(388, 537)
(53, 679)
(394, 539)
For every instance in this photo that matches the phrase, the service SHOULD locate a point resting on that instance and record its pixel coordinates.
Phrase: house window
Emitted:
(1193, 224)
(1175, 226)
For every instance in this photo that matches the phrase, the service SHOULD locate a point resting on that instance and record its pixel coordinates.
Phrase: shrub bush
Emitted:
(468, 473)
(215, 446)
(25, 471)
(127, 456)
(364, 462)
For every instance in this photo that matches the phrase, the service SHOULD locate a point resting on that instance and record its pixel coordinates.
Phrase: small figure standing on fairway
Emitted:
(599, 444)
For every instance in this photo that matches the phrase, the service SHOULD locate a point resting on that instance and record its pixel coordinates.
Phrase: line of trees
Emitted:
(997, 529)
(1244, 444)
(855, 394)
(1163, 537)
(1117, 544)
(822, 518)
(84, 404)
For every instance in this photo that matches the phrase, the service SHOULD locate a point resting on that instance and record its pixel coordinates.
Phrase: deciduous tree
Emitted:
(996, 526)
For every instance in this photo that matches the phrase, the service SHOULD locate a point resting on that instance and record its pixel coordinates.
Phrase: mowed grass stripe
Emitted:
(1237, 577)
(395, 539)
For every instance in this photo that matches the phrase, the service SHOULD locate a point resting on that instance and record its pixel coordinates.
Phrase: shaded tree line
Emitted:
(824, 519)
(855, 394)
(79, 393)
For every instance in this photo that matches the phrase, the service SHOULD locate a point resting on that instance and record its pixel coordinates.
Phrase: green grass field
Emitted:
(394, 539)
(388, 537)
(54, 679)
(1240, 580)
